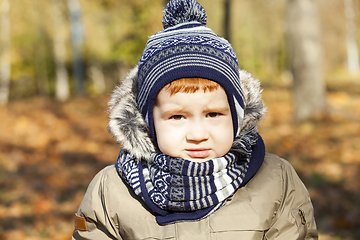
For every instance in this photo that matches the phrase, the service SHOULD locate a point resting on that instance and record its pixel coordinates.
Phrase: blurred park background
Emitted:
(60, 59)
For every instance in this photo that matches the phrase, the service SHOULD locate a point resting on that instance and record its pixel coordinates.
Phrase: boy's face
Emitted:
(193, 126)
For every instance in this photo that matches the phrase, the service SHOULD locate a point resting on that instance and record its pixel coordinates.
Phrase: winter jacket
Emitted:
(274, 204)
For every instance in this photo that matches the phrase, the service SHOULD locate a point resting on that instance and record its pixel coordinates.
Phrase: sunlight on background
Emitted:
(60, 59)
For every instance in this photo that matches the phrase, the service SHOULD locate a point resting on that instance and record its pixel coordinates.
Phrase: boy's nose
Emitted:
(197, 132)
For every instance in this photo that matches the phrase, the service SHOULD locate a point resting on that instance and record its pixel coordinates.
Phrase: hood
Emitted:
(131, 131)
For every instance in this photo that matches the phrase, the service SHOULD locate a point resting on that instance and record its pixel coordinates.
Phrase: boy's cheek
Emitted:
(171, 125)
(168, 146)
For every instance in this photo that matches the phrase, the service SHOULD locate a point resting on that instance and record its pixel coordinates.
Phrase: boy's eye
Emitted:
(177, 117)
(213, 114)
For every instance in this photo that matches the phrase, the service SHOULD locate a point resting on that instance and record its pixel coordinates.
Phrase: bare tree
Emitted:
(226, 24)
(62, 77)
(76, 42)
(351, 45)
(305, 57)
(5, 67)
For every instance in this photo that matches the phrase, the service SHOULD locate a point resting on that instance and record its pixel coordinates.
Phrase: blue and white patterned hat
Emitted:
(187, 48)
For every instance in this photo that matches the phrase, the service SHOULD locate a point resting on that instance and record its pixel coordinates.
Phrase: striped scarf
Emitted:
(177, 189)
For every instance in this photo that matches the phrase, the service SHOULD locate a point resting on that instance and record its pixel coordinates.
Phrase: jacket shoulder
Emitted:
(109, 187)
(274, 161)
(109, 203)
(281, 173)
(295, 211)
(270, 203)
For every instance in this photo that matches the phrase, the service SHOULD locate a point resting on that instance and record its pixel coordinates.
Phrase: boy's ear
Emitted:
(126, 123)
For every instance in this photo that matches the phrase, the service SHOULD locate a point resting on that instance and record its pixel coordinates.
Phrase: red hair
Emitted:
(191, 85)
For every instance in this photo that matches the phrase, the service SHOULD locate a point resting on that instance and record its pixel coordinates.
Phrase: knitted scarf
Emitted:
(181, 190)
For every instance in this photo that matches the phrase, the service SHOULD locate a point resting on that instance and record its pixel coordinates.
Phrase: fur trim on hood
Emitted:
(129, 128)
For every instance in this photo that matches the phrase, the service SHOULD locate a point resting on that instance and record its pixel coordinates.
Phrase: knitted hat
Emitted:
(186, 48)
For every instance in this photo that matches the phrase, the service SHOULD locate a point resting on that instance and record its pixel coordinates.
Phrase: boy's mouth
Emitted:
(198, 153)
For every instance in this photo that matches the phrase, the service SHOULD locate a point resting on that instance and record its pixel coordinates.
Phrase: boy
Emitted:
(192, 164)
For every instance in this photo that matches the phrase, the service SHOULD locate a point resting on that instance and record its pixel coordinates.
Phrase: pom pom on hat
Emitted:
(182, 11)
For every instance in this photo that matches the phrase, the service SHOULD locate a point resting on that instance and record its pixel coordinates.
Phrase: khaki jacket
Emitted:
(274, 204)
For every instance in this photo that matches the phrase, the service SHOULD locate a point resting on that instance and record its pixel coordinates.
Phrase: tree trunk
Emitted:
(97, 75)
(5, 67)
(41, 73)
(226, 24)
(351, 45)
(305, 59)
(62, 77)
(76, 41)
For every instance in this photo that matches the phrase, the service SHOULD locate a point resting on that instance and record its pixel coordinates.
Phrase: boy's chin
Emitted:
(198, 160)
(192, 159)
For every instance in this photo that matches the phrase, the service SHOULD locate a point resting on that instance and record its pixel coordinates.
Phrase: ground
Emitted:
(50, 151)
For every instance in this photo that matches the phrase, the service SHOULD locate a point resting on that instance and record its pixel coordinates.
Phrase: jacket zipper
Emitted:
(303, 221)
